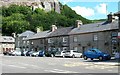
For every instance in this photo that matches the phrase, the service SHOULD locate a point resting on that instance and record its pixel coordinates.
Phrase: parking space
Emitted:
(22, 64)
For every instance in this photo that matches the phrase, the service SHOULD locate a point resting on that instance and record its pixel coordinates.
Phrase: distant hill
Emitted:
(19, 18)
(99, 20)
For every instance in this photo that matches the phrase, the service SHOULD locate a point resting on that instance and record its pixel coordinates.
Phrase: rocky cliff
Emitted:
(47, 5)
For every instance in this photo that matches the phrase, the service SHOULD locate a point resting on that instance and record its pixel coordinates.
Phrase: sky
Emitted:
(92, 9)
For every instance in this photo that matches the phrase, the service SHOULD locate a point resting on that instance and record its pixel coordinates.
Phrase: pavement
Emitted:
(21, 64)
(112, 62)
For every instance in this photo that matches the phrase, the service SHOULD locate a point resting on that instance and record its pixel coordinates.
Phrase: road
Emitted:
(19, 64)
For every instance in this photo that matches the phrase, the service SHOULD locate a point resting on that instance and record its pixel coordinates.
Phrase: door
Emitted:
(93, 54)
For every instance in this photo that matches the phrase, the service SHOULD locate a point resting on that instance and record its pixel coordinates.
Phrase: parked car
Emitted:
(41, 53)
(94, 53)
(60, 54)
(10, 53)
(17, 53)
(50, 53)
(73, 54)
(29, 53)
(24, 53)
(35, 54)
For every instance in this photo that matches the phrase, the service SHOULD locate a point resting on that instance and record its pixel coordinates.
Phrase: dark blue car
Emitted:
(94, 53)
(41, 53)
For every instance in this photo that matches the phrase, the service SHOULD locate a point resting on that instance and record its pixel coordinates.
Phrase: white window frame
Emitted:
(95, 37)
(50, 40)
(64, 48)
(75, 38)
(28, 42)
(64, 39)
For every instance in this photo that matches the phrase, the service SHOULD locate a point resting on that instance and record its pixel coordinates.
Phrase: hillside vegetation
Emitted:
(21, 18)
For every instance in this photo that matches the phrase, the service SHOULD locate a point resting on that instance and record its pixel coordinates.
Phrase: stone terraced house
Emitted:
(80, 37)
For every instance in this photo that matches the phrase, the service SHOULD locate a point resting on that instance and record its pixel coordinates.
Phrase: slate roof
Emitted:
(117, 13)
(8, 39)
(39, 35)
(61, 32)
(88, 28)
(26, 33)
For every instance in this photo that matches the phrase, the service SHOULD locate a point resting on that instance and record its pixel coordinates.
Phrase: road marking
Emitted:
(109, 70)
(16, 66)
(74, 64)
(60, 71)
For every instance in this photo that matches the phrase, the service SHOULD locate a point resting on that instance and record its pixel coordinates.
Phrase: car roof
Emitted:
(93, 49)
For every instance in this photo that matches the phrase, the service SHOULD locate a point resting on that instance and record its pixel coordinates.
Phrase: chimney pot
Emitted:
(54, 27)
(78, 23)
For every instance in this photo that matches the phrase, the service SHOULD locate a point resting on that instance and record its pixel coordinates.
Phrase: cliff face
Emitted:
(47, 5)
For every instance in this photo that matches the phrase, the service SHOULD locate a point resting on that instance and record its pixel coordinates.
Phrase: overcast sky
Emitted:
(92, 9)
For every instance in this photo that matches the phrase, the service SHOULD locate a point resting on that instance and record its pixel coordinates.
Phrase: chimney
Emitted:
(39, 29)
(78, 23)
(54, 27)
(111, 17)
(14, 35)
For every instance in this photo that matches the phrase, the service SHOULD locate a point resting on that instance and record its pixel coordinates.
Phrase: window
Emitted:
(41, 41)
(114, 34)
(64, 48)
(10, 38)
(95, 37)
(24, 42)
(5, 39)
(49, 40)
(75, 48)
(75, 39)
(32, 43)
(64, 39)
(27, 42)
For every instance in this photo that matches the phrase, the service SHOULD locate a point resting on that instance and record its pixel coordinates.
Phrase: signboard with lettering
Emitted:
(118, 34)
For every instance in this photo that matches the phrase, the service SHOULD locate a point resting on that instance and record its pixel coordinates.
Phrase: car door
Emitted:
(78, 54)
(94, 54)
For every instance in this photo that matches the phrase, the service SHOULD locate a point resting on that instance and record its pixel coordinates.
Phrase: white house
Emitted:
(7, 43)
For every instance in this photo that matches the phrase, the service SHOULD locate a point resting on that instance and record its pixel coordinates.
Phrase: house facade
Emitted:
(7, 44)
(19, 40)
(38, 41)
(59, 39)
(101, 35)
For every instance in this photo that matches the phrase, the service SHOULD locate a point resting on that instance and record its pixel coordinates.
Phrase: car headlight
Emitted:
(105, 54)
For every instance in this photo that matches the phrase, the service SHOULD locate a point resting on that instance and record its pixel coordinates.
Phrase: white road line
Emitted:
(14, 66)
(60, 71)
(109, 70)
(17, 66)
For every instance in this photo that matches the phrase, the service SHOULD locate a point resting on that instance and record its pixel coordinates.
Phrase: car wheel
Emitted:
(52, 55)
(100, 58)
(81, 56)
(109, 58)
(63, 56)
(91, 58)
(85, 57)
(73, 56)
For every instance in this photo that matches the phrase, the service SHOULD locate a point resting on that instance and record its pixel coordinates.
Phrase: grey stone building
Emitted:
(38, 41)
(59, 39)
(19, 40)
(101, 35)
